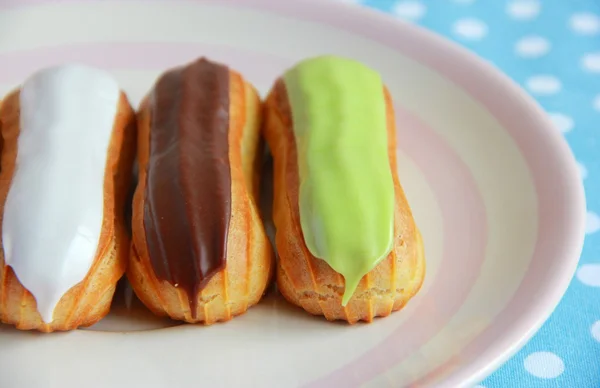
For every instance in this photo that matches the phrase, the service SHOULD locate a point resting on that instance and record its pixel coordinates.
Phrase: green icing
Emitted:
(346, 194)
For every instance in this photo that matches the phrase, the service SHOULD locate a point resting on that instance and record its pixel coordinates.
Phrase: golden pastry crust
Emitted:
(311, 283)
(88, 301)
(248, 269)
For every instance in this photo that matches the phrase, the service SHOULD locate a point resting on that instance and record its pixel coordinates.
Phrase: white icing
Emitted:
(54, 209)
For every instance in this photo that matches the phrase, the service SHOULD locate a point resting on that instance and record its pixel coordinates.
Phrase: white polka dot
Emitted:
(523, 9)
(532, 46)
(591, 62)
(562, 122)
(589, 274)
(582, 170)
(473, 29)
(545, 365)
(411, 10)
(596, 102)
(592, 223)
(585, 23)
(596, 331)
(543, 84)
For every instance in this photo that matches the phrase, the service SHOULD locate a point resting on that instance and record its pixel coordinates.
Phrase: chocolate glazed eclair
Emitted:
(348, 246)
(200, 252)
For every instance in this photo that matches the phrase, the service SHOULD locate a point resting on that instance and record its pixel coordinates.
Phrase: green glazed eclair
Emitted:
(346, 239)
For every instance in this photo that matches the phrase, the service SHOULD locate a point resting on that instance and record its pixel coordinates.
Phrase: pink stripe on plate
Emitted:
(17, 65)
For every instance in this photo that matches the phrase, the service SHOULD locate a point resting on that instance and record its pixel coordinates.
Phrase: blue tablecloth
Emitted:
(551, 48)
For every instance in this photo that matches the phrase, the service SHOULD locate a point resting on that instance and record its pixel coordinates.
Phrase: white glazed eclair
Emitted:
(68, 147)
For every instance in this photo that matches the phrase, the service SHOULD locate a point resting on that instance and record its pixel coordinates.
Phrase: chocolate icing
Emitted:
(187, 205)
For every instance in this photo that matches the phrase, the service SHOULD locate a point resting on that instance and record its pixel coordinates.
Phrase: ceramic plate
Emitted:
(493, 187)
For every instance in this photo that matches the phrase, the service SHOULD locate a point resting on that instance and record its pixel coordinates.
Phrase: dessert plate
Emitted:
(494, 190)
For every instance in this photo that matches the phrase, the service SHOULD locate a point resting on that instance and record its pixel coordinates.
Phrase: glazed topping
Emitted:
(346, 193)
(188, 191)
(54, 209)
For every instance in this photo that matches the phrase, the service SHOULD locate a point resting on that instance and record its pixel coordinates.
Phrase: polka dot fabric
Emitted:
(552, 49)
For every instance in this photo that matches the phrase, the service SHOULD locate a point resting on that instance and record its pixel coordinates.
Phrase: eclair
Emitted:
(348, 247)
(200, 253)
(68, 147)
